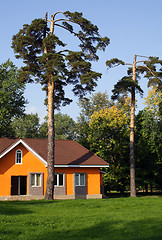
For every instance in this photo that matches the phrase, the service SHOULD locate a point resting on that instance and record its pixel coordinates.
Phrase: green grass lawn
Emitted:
(105, 219)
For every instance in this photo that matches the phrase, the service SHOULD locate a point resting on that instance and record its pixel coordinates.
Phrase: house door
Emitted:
(18, 185)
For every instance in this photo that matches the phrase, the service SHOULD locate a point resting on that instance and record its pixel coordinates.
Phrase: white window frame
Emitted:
(35, 180)
(16, 158)
(57, 176)
(79, 185)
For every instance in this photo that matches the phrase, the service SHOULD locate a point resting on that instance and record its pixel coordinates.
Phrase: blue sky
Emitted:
(132, 26)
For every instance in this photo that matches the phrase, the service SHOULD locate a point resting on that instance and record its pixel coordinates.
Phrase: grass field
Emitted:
(104, 219)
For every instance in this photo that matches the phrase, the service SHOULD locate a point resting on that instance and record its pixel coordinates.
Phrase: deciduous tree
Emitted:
(12, 101)
(26, 126)
(109, 138)
(95, 102)
(64, 127)
(148, 141)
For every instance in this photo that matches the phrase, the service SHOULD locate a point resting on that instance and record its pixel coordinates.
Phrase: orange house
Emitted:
(23, 169)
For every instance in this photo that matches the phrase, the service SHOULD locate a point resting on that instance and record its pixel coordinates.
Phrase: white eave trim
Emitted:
(85, 166)
(27, 147)
(9, 149)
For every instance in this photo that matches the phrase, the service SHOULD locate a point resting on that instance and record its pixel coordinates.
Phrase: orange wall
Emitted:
(8, 168)
(93, 179)
(30, 163)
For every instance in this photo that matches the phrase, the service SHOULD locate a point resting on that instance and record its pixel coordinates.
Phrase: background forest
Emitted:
(102, 127)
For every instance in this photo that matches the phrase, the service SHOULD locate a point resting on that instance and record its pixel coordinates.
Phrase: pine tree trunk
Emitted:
(132, 158)
(146, 188)
(51, 144)
(51, 131)
(151, 188)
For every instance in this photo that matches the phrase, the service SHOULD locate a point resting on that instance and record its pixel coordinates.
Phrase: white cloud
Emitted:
(41, 111)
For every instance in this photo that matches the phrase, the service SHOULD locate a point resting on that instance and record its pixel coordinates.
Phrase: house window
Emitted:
(18, 156)
(35, 179)
(79, 179)
(59, 179)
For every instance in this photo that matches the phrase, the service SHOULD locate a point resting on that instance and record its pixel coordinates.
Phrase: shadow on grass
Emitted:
(78, 226)
(136, 230)
(22, 207)
(139, 194)
(13, 210)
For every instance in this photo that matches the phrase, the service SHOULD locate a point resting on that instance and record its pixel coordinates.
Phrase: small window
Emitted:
(59, 179)
(18, 156)
(79, 179)
(35, 179)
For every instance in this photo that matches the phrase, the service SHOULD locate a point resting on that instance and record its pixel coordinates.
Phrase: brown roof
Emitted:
(67, 152)
(6, 143)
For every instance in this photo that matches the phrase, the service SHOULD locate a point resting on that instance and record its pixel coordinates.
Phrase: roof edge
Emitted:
(10, 148)
(18, 141)
(27, 147)
(81, 166)
(32, 151)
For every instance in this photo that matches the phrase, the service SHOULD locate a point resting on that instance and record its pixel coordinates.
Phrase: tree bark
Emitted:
(51, 131)
(51, 144)
(151, 188)
(132, 158)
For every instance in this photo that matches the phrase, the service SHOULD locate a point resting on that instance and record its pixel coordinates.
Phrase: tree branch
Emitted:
(149, 70)
(63, 51)
(142, 61)
(128, 64)
(69, 31)
(65, 28)
(63, 19)
(142, 56)
(57, 13)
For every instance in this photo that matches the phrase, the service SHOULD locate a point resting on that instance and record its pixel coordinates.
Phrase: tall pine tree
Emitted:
(149, 69)
(49, 61)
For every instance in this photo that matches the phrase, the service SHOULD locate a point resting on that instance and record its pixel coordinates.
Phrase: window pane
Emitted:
(55, 180)
(82, 179)
(38, 179)
(18, 156)
(60, 179)
(77, 179)
(33, 179)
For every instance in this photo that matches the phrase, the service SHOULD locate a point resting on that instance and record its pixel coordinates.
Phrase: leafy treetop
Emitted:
(12, 101)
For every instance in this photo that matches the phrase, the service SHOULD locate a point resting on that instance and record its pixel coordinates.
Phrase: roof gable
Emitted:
(68, 153)
(12, 144)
